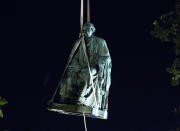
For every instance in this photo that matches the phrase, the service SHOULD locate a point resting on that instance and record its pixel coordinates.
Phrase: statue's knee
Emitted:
(69, 80)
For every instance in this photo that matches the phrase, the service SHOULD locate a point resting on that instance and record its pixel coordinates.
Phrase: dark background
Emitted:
(36, 37)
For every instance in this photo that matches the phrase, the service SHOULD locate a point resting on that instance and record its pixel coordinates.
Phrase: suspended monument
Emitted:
(85, 82)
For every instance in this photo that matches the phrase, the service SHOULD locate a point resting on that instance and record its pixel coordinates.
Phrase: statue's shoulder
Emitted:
(100, 40)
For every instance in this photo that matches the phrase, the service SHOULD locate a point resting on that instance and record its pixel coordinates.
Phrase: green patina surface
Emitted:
(71, 108)
(76, 87)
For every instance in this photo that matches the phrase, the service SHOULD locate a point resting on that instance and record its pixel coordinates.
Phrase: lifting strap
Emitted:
(81, 16)
(88, 11)
(85, 126)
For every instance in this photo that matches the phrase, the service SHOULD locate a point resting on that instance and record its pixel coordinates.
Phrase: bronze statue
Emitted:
(76, 88)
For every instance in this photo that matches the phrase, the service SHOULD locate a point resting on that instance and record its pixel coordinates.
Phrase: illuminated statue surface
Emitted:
(76, 88)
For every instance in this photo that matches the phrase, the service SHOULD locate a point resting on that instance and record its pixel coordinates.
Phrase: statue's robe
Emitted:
(76, 87)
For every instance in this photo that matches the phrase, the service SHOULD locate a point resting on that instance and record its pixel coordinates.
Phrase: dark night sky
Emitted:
(36, 37)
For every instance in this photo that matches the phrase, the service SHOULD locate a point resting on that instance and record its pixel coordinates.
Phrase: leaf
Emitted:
(3, 102)
(1, 114)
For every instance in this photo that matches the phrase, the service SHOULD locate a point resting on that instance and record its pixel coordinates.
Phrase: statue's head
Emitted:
(88, 29)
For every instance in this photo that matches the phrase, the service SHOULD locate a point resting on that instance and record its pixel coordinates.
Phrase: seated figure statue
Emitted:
(76, 87)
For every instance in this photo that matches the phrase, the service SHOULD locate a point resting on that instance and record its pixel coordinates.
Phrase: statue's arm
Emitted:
(104, 55)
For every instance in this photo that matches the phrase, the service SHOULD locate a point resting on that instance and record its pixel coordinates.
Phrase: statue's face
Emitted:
(88, 31)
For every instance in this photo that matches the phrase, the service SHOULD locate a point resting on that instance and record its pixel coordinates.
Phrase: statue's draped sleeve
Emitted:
(103, 49)
(103, 52)
(104, 64)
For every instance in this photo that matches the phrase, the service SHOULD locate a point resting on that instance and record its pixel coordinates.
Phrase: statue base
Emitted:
(78, 110)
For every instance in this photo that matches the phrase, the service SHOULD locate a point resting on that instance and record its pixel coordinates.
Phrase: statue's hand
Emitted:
(93, 71)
